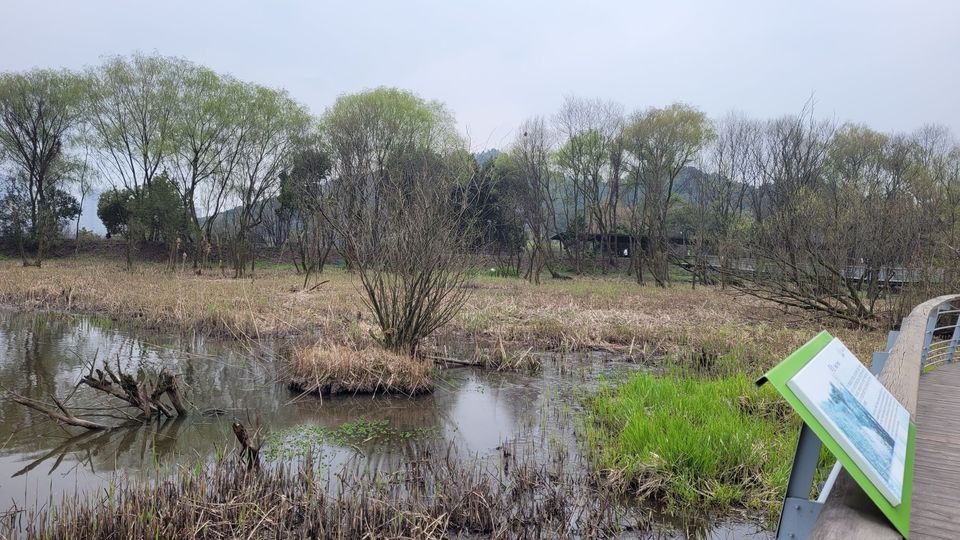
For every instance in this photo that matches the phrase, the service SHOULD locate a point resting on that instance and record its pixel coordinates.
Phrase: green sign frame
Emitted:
(778, 376)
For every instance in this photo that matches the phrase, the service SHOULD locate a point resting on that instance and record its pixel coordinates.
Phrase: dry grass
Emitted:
(342, 369)
(705, 324)
(271, 304)
(429, 498)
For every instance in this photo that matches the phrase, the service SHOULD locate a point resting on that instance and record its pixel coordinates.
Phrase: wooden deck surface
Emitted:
(936, 474)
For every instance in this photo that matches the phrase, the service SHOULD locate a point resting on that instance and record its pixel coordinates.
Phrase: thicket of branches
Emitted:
(809, 213)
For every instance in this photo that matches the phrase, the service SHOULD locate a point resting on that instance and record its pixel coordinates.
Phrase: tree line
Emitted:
(807, 212)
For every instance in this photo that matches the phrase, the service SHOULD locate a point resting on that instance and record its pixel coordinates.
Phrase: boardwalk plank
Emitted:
(936, 477)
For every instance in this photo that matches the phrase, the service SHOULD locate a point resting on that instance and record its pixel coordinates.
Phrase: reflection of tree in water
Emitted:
(29, 343)
(863, 430)
(44, 354)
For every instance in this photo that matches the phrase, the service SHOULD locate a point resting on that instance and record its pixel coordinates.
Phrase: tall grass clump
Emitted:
(690, 443)
(343, 369)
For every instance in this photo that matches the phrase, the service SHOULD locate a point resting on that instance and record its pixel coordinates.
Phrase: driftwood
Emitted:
(60, 414)
(132, 390)
(249, 445)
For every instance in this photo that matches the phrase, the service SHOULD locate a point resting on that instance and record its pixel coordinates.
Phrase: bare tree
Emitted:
(305, 192)
(397, 162)
(726, 188)
(531, 167)
(274, 125)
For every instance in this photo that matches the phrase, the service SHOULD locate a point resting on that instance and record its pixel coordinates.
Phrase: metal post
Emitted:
(799, 514)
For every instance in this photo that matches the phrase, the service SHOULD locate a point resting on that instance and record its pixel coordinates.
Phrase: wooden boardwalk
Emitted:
(936, 477)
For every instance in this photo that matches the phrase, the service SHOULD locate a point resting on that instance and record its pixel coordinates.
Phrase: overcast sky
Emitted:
(892, 65)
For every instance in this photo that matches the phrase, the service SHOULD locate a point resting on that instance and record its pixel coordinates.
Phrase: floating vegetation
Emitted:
(304, 439)
(500, 359)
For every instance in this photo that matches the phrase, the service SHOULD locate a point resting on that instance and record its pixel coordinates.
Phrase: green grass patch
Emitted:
(695, 444)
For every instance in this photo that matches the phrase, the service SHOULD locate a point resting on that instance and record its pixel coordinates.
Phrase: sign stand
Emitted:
(898, 515)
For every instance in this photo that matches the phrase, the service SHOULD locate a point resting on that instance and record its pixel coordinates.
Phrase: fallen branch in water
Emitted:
(134, 391)
(63, 415)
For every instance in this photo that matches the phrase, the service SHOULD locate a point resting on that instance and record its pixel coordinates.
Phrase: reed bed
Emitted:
(342, 369)
(427, 498)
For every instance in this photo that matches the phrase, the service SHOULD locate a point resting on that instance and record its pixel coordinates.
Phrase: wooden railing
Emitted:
(928, 335)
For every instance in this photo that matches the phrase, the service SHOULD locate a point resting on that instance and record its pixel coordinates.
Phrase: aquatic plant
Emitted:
(304, 439)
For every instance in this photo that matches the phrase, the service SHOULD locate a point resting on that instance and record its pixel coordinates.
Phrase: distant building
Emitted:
(618, 244)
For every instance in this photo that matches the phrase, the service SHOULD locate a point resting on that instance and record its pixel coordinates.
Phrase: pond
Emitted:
(477, 411)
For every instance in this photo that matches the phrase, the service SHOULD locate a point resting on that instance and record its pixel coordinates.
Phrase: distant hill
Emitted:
(487, 155)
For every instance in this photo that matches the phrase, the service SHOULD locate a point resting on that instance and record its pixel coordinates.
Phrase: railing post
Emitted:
(928, 335)
(953, 339)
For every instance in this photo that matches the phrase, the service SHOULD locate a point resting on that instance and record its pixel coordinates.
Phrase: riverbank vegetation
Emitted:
(692, 444)
(374, 239)
(430, 498)
(706, 327)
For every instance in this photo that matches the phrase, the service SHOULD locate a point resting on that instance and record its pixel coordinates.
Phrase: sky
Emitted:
(892, 65)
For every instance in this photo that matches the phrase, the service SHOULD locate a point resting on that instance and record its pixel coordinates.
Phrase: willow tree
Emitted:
(38, 112)
(133, 107)
(203, 150)
(271, 126)
(397, 160)
(661, 142)
(589, 131)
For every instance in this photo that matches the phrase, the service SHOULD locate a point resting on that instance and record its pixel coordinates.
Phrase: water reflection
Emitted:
(44, 354)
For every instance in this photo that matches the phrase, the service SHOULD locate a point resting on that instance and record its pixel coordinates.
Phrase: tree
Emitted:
(205, 136)
(86, 182)
(396, 161)
(113, 209)
(591, 129)
(661, 142)
(528, 163)
(305, 191)
(272, 126)
(38, 112)
(499, 226)
(806, 220)
(134, 104)
(156, 215)
(724, 191)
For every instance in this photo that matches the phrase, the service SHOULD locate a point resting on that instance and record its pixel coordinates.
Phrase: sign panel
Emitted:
(860, 413)
(856, 418)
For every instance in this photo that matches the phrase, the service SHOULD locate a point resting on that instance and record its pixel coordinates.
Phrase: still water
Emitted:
(45, 354)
